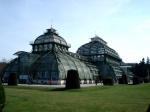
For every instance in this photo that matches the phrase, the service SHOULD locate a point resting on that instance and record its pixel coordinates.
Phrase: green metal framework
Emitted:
(106, 59)
(50, 59)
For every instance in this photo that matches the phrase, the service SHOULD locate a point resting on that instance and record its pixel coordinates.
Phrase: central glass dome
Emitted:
(50, 36)
(48, 41)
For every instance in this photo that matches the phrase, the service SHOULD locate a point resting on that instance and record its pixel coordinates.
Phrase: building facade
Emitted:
(50, 59)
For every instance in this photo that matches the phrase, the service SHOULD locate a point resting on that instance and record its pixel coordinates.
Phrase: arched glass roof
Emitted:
(11, 67)
(60, 63)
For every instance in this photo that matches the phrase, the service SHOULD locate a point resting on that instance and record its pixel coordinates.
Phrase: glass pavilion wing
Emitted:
(67, 62)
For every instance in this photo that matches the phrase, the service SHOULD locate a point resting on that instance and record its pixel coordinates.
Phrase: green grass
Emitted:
(117, 98)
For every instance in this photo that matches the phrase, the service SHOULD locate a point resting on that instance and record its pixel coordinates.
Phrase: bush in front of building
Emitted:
(12, 79)
(108, 81)
(136, 80)
(141, 80)
(148, 110)
(72, 81)
(2, 97)
(121, 81)
(146, 80)
(125, 79)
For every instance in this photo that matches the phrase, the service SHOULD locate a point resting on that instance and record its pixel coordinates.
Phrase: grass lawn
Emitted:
(117, 98)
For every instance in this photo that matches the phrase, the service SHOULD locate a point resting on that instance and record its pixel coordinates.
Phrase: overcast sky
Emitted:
(123, 24)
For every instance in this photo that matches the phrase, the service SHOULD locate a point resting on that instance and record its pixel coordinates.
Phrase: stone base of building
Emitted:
(57, 82)
(87, 82)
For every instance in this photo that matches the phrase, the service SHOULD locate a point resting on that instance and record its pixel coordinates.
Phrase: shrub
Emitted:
(136, 80)
(72, 81)
(125, 79)
(12, 79)
(148, 110)
(121, 81)
(141, 80)
(108, 81)
(146, 80)
(2, 97)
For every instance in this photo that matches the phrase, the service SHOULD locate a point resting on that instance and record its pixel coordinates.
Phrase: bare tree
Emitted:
(3, 64)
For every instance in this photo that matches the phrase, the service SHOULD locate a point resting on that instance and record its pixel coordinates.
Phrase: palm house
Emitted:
(106, 59)
(51, 59)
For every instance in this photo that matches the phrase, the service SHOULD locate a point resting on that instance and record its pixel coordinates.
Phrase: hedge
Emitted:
(2, 97)
(12, 79)
(72, 81)
(136, 80)
(108, 81)
(146, 80)
(125, 79)
(121, 81)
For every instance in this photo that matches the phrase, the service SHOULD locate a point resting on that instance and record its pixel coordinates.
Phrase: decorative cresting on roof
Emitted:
(108, 50)
(50, 36)
(97, 38)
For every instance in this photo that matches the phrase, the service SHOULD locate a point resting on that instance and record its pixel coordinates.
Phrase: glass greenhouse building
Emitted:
(51, 59)
(106, 59)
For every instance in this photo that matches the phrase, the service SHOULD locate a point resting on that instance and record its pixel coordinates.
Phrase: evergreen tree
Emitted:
(142, 69)
(135, 70)
(147, 62)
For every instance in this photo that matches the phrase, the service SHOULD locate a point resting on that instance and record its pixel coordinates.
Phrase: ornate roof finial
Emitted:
(51, 23)
(95, 34)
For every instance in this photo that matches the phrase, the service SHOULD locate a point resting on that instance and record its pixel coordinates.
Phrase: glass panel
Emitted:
(24, 58)
(45, 47)
(35, 48)
(40, 47)
(46, 40)
(70, 62)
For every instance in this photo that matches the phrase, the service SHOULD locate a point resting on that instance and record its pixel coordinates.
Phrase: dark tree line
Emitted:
(3, 64)
(142, 69)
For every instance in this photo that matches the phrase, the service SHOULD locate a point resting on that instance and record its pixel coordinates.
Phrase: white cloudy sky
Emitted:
(124, 24)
